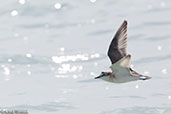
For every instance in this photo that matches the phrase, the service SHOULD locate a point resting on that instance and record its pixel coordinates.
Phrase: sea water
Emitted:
(50, 52)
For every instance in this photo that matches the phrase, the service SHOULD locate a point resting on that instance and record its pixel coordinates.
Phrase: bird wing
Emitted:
(134, 73)
(117, 48)
(125, 61)
(122, 63)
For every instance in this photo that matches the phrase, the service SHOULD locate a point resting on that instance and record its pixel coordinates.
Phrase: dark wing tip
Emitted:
(124, 24)
(125, 21)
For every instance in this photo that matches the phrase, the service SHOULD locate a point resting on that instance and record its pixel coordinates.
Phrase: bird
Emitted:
(121, 72)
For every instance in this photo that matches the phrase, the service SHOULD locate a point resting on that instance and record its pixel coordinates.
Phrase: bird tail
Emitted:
(144, 77)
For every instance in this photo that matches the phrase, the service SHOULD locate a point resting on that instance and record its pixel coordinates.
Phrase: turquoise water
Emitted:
(50, 52)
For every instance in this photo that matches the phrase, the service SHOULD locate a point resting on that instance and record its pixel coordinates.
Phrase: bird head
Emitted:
(103, 75)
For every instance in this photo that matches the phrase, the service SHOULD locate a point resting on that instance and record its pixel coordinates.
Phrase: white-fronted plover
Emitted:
(121, 71)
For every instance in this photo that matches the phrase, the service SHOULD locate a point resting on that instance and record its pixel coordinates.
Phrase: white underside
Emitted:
(120, 73)
(124, 79)
(120, 78)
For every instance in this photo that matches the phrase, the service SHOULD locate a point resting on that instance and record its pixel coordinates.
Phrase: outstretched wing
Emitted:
(123, 63)
(117, 48)
(134, 73)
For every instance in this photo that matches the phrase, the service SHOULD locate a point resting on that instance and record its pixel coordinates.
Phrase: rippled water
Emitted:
(50, 52)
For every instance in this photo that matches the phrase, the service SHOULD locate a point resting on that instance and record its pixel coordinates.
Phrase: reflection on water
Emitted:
(57, 5)
(6, 72)
(78, 57)
(22, 2)
(68, 68)
(14, 13)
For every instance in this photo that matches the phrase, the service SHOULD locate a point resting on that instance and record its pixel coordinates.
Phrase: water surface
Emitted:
(50, 52)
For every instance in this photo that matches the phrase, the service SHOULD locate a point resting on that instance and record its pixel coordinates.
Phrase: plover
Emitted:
(121, 71)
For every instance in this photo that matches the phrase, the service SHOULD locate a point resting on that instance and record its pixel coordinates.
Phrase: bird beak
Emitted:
(98, 76)
(142, 77)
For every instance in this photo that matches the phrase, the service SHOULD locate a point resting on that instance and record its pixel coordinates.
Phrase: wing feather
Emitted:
(117, 48)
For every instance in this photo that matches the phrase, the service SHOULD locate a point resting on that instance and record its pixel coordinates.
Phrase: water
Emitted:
(50, 52)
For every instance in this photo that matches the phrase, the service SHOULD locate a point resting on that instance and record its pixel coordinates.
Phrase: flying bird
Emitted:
(121, 71)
